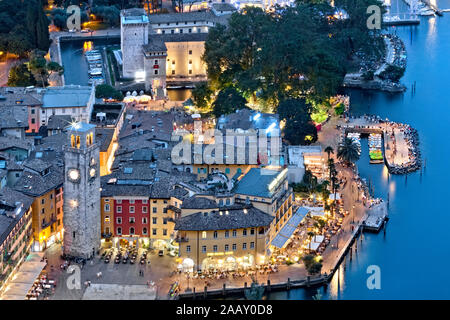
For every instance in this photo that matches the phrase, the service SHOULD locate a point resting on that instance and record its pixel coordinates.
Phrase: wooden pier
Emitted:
(376, 218)
(402, 22)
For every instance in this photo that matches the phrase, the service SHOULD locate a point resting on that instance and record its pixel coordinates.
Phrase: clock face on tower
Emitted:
(73, 175)
(92, 172)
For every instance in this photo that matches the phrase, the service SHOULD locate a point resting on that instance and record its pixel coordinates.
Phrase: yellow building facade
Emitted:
(223, 239)
(47, 219)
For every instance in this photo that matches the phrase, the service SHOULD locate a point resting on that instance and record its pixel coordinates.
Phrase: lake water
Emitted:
(414, 254)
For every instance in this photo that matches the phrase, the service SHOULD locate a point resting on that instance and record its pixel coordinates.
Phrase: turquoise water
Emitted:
(414, 254)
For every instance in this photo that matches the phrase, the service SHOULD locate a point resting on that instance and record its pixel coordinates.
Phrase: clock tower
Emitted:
(81, 192)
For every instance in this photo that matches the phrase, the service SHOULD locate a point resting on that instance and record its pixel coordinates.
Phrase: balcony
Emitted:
(106, 235)
(181, 239)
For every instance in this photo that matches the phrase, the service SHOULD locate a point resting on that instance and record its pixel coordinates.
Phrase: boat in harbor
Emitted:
(375, 148)
(95, 69)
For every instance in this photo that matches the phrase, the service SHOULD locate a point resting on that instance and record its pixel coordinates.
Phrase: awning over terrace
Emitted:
(22, 282)
(281, 240)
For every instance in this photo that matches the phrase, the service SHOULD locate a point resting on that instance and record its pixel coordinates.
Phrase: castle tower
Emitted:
(134, 26)
(155, 54)
(81, 192)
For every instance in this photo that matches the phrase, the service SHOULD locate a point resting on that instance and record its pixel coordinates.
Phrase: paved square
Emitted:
(119, 292)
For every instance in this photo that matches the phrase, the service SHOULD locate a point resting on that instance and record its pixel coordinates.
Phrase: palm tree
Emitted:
(348, 151)
(329, 150)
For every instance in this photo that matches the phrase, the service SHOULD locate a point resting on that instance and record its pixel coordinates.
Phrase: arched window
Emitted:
(131, 230)
(78, 142)
(119, 230)
(72, 141)
(144, 230)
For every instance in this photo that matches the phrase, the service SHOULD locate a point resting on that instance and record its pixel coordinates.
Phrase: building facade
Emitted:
(174, 41)
(224, 239)
(15, 232)
(44, 183)
(72, 100)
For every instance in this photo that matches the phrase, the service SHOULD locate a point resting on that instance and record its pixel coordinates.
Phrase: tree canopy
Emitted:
(23, 27)
(299, 128)
(228, 101)
(41, 69)
(289, 53)
(106, 91)
(348, 151)
(20, 76)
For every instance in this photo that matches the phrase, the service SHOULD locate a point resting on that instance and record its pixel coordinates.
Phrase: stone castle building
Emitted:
(81, 192)
(166, 48)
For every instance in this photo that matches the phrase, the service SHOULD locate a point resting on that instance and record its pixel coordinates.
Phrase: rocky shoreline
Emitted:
(357, 81)
(413, 138)
(395, 56)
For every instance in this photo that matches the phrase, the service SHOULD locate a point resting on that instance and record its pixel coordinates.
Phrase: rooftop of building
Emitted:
(296, 154)
(10, 200)
(66, 96)
(33, 183)
(37, 165)
(8, 163)
(259, 182)
(155, 44)
(59, 122)
(158, 124)
(223, 7)
(19, 96)
(133, 15)
(233, 218)
(13, 142)
(196, 202)
(143, 183)
(182, 17)
(246, 119)
(80, 127)
(103, 138)
(13, 117)
(107, 114)
(180, 37)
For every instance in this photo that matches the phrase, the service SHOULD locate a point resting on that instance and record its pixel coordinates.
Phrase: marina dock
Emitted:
(376, 217)
(392, 21)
